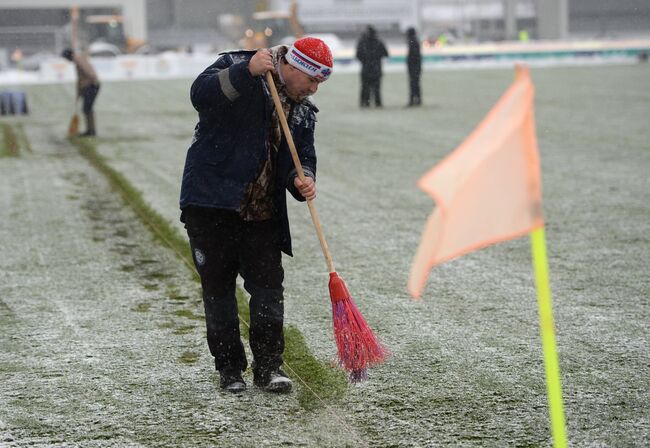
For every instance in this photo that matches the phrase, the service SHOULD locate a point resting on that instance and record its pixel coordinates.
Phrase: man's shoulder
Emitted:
(305, 113)
(238, 55)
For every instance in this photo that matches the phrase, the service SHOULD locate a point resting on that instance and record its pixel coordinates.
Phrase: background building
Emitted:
(480, 20)
(43, 25)
(189, 23)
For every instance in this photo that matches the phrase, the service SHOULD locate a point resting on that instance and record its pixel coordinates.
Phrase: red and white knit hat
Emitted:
(312, 56)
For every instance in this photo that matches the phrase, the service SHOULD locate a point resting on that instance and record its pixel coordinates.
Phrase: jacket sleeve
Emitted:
(360, 53)
(221, 84)
(384, 51)
(306, 153)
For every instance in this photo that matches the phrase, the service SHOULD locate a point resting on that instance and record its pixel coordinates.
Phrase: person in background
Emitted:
(370, 52)
(414, 64)
(87, 88)
(233, 196)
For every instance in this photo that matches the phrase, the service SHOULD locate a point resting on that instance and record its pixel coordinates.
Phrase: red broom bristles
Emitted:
(358, 348)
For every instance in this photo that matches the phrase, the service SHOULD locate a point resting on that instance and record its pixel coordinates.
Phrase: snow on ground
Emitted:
(467, 367)
(102, 336)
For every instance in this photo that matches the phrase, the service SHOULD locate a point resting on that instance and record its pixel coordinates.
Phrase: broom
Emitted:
(357, 346)
(73, 127)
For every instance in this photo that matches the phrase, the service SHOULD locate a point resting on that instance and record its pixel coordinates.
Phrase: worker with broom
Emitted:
(233, 199)
(87, 88)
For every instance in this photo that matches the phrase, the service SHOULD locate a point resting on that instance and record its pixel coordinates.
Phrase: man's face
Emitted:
(299, 85)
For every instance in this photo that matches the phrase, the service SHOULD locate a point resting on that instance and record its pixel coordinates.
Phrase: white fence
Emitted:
(181, 65)
(130, 67)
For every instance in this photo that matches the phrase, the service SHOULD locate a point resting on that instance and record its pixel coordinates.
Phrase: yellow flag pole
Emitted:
(547, 330)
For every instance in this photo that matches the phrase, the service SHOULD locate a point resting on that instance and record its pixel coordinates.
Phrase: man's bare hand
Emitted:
(307, 188)
(261, 62)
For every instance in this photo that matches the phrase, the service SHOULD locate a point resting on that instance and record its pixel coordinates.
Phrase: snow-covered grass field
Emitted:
(101, 332)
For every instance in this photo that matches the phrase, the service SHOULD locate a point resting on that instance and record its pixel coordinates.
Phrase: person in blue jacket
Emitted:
(233, 202)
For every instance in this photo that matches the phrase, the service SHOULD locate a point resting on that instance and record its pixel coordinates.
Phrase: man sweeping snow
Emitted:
(233, 197)
(87, 88)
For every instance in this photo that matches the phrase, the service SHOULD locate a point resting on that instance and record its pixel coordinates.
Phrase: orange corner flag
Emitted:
(488, 189)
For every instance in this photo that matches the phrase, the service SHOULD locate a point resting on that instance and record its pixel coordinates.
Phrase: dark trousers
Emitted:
(223, 246)
(415, 97)
(89, 95)
(370, 87)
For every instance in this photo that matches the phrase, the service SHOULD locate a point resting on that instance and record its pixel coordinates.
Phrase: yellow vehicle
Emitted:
(269, 28)
(103, 34)
(109, 29)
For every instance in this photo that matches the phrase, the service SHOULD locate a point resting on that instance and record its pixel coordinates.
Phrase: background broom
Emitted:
(73, 127)
(357, 346)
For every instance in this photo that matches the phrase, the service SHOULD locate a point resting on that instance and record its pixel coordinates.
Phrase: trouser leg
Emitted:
(267, 319)
(365, 93)
(376, 91)
(261, 268)
(417, 97)
(214, 237)
(222, 325)
(90, 123)
(370, 85)
(89, 95)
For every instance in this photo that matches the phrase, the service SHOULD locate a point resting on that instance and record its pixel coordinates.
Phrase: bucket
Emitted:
(13, 103)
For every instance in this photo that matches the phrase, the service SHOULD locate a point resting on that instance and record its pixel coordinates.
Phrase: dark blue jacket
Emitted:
(230, 140)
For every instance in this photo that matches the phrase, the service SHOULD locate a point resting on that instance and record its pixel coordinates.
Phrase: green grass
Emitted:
(13, 140)
(9, 143)
(323, 382)
(189, 314)
(185, 329)
(141, 307)
(23, 141)
(320, 383)
(188, 357)
(159, 227)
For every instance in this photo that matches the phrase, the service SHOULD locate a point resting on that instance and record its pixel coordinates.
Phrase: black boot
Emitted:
(272, 381)
(224, 341)
(267, 338)
(230, 379)
(90, 125)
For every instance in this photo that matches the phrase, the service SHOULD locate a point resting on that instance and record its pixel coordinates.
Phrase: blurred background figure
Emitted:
(17, 58)
(370, 51)
(87, 87)
(414, 64)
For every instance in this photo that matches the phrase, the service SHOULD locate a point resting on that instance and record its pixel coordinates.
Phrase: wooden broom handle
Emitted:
(301, 175)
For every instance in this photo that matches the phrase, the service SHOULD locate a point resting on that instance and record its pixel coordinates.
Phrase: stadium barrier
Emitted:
(486, 55)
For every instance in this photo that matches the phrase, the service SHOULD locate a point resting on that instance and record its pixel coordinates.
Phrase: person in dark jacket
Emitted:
(414, 64)
(233, 200)
(87, 88)
(370, 52)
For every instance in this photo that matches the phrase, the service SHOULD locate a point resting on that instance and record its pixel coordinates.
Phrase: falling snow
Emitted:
(102, 337)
